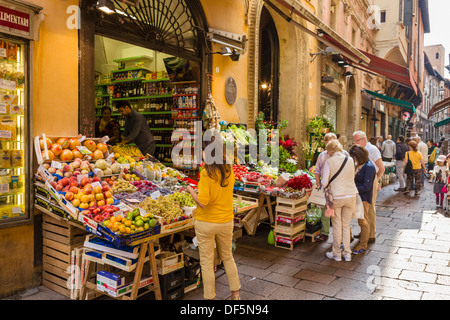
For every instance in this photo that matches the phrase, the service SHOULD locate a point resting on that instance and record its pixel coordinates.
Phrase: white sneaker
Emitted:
(330, 255)
(347, 257)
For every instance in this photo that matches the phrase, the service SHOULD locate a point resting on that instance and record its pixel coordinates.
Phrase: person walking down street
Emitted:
(441, 175)
(432, 152)
(344, 191)
(321, 159)
(213, 222)
(418, 166)
(360, 138)
(400, 150)
(388, 149)
(365, 173)
(423, 149)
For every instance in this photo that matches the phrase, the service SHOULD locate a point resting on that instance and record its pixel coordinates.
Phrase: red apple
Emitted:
(69, 196)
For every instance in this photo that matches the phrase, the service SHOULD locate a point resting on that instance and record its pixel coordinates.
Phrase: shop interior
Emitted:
(162, 87)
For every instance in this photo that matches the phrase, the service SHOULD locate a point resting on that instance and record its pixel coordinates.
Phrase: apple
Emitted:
(97, 189)
(101, 202)
(92, 203)
(65, 181)
(76, 202)
(63, 142)
(90, 145)
(59, 187)
(69, 196)
(51, 155)
(73, 189)
(108, 194)
(66, 155)
(105, 188)
(74, 143)
(99, 196)
(43, 143)
(53, 184)
(102, 147)
(87, 189)
(52, 170)
(68, 174)
(56, 149)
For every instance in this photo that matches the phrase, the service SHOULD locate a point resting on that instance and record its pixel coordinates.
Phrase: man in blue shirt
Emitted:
(136, 129)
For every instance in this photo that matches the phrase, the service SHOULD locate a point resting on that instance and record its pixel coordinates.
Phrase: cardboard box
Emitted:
(116, 286)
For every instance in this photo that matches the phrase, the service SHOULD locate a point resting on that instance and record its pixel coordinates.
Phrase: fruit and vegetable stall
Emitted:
(125, 203)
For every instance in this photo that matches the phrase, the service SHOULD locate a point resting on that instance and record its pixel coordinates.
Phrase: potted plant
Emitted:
(315, 125)
(308, 151)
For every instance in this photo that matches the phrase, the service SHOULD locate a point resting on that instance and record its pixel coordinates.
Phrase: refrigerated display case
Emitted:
(14, 132)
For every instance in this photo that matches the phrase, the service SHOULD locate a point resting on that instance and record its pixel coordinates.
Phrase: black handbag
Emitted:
(409, 166)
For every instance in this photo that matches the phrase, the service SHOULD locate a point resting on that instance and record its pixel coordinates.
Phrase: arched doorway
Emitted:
(174, 27)
(269, 67)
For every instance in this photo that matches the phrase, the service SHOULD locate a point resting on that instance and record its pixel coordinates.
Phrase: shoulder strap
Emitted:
(339, 171)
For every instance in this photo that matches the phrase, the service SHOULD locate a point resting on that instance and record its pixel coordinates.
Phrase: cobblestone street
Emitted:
(408, 261)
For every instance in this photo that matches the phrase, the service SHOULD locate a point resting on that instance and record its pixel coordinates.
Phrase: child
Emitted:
(441, 175)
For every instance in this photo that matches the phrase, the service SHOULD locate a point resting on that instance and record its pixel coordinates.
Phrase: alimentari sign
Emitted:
(14, 19)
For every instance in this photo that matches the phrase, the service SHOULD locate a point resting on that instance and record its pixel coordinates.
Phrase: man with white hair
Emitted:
(360, 138)
(423, 149)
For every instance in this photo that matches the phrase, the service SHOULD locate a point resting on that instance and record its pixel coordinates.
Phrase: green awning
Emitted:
(397, 102)
(442, 123)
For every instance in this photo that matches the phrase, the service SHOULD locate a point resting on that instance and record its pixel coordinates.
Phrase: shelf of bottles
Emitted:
(12, 131)
(166, 105)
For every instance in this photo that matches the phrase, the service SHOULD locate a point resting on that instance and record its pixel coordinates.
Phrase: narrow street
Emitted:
(408, 261)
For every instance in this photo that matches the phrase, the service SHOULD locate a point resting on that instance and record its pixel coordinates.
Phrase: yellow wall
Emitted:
(55, 91)
(230, 19)
(55, 112)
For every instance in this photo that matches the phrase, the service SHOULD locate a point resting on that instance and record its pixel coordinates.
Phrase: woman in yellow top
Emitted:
(214, 225)
(417, 163)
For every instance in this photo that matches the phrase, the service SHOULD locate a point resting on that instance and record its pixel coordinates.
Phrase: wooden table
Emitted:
(147, 244)
(264, 202)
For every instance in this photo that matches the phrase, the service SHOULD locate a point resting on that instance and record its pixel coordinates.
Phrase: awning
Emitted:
(442, 123)
(379, 66)
(439, 106)
(387, 99)
(333, 39)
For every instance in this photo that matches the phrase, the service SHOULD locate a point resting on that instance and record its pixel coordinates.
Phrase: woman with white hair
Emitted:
(338, 174)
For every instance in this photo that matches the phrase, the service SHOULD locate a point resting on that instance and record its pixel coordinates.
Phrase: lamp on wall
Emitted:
(106, 6)
(227, 51)
(348, 74)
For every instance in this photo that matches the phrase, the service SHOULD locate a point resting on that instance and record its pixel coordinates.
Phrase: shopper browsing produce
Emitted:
(106, 126)
(214, 223)
(136, 129)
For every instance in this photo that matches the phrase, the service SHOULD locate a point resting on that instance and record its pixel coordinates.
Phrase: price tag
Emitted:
(83, 150)
(4, 188)
(81, 176)
(16, 210)
(125, 165)
(95, 184)
(155, 195)
(132, 200)
(82, 139)
(142, 212)
(5, 134)
(56, 164)
(2, 108)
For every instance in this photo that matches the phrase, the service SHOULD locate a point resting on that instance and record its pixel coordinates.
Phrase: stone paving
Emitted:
(408, 261)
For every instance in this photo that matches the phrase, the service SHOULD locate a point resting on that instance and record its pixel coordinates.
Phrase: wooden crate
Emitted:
(250, 219)
(289, 228)
(290, 217)
(288, 241)
(291, 206)
(60, 239)
(250, 202)
(61, 231)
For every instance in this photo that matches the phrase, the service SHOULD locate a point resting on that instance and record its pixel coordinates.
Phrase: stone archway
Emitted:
(294, 68)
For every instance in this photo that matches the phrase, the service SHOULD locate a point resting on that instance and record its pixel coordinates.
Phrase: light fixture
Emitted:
(106, 6)
(264, 86)
(348, 74)
(226, 51)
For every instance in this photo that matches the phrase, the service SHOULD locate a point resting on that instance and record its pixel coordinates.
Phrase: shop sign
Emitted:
(14, 19)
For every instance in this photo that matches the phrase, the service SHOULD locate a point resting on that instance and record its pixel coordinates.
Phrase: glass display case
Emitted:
(14, 185)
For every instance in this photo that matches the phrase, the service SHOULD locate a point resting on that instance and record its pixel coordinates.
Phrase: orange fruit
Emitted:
(119, 218)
